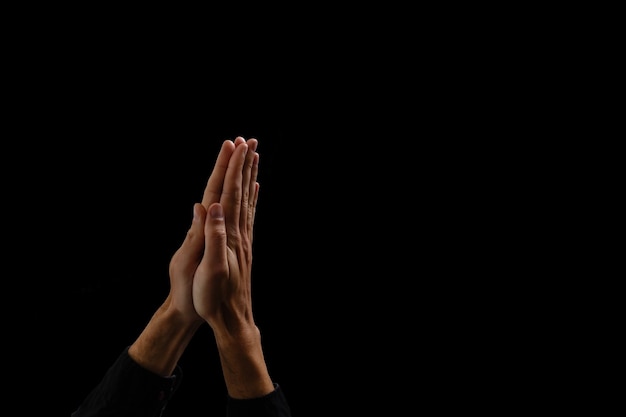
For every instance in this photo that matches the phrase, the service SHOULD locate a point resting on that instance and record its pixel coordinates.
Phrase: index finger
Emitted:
(213, 189)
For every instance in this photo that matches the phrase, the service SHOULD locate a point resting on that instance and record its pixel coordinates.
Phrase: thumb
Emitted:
(186, 259)
(215, 239)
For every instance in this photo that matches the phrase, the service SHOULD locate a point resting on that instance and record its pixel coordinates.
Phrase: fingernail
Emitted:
(216, 211)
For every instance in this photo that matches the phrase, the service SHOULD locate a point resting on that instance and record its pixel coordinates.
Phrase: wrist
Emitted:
(183, 316)
(237, 337)
(163, 341)
(243, 365)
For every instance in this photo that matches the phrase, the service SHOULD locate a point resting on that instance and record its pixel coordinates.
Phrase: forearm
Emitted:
(163, 341)
(243, 364)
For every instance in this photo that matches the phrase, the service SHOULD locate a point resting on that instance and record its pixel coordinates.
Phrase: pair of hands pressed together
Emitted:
(210, 280)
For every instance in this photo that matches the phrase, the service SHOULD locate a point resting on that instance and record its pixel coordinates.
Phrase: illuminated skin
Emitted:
(210, 280)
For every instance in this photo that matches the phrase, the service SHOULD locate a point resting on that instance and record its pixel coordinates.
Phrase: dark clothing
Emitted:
(128, 390)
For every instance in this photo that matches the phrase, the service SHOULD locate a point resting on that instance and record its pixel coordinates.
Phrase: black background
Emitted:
(122, 185)
(363, 218)
(125, 170)
(125, 225)
(350, 234)
(338, 288)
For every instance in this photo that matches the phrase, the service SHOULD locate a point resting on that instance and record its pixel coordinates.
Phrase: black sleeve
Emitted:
(273, 404)
(128, 390)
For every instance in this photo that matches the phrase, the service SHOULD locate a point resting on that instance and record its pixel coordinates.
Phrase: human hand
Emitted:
(222, 282)
(186, 259)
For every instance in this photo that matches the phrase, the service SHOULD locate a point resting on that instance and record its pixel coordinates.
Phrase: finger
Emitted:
(253, 144)
(239, 140)
(245, 184)
(215, 252)
(232, 190)
(188, 256)
(213, 189)
(254, 195)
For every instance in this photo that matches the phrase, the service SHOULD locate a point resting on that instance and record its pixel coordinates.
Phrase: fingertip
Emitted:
(253, 144)
(228, 144)
(198, 211)
(243, 145)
